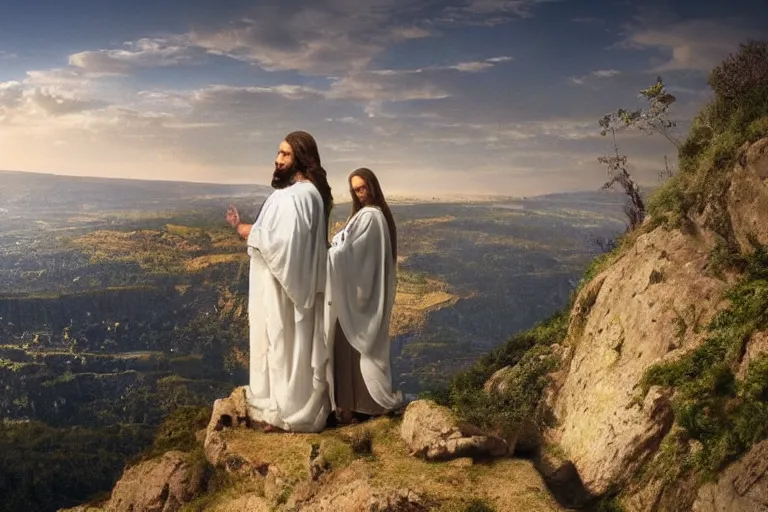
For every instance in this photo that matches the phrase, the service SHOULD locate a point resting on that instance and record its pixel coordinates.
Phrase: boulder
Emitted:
(163, 484)
(431, 432)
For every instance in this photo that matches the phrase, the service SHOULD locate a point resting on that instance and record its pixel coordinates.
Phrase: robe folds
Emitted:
(288, 385)
(362, 282)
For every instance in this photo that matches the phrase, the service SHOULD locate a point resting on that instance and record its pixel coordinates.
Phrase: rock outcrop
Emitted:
(164, 484)
(431, 432)
(229, 412)
(748, 195)
(648, 307)
(368, 467)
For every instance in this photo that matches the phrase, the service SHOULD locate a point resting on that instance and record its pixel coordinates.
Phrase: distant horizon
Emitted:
(426, 197)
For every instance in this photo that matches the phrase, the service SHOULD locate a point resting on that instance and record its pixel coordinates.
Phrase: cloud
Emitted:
(332, 37)
(376, 87)
(600, 73)
(7, 55)
(606, 73)
(10, 93)
(489, 12)
(328, 37)
(324, 38)
(398, 85)
(145, 52)
(56, 102)
(697, 45)
(347, 120)
(46, 94)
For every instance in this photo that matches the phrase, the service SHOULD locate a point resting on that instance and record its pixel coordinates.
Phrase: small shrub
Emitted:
(530, 353)
(178, 430)
(741, 72)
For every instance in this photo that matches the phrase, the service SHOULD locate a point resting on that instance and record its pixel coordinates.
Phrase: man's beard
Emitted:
(283, 178)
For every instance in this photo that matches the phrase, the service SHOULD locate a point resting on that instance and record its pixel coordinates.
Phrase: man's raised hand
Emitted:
(233, 217)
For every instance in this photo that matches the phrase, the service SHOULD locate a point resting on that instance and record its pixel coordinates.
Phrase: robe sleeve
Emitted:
(357, 277)
(287, 236)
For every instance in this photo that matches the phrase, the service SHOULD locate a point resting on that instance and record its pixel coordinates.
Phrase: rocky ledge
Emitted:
(424, 460)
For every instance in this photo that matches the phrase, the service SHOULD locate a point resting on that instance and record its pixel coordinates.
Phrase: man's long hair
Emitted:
(306, 159)
(377, 199)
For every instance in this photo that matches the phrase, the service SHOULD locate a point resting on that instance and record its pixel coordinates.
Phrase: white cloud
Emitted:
(347, 120)
(472, 67)
(600, 73)
(57, 102)
(497, 60)
(606, 73)
(10, 93)
(327, 37)
(7, 55)
(145, 52)
(324, 38)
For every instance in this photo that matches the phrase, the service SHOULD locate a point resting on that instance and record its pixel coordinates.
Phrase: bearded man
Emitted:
(288, 246)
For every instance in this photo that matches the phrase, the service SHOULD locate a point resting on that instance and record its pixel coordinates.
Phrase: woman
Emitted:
(362, 281)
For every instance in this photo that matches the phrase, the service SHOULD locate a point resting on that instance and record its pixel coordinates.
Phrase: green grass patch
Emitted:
(531, 356)
(725, 415)
(178, 431)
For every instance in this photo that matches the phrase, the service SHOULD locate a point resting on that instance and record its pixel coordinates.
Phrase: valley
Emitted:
(123, 301)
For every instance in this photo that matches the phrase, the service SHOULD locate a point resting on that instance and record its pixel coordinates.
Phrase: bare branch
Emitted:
(617, 173)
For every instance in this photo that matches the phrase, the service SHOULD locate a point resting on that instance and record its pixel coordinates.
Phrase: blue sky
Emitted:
(438, 97)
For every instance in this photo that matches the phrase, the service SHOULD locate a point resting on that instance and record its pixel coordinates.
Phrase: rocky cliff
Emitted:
(649, 394)
(661, 350)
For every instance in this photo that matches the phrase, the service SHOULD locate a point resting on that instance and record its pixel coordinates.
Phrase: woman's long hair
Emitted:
(306, 158)
(377, 199)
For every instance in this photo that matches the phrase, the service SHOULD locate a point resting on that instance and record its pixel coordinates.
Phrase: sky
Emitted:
(437, 97)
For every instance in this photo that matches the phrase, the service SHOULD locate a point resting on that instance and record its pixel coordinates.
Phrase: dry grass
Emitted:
(202, 262)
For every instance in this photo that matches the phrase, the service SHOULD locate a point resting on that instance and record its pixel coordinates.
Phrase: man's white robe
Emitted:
(288, 359)
(361, 286)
